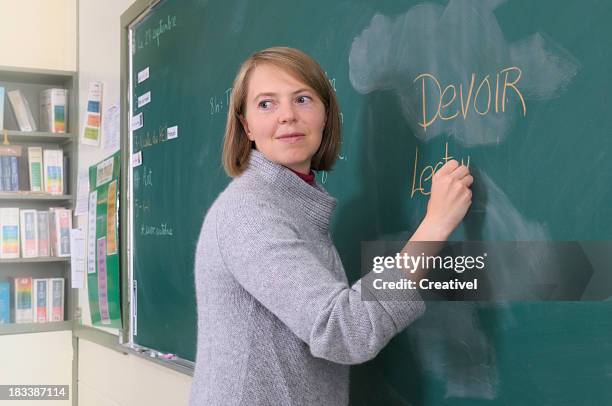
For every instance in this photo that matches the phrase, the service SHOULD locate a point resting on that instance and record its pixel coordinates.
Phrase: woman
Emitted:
(278, 323)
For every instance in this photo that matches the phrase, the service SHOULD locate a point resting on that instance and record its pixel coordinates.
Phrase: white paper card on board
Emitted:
(136, 159)
(172, 132)
(77, 261)
(143, 75)
(82, 193)
(104, 171)
(137, 122)
(91, 232)
(144, 99)
(110, 129)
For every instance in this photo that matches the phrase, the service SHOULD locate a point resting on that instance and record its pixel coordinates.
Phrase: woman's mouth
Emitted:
(290, 137)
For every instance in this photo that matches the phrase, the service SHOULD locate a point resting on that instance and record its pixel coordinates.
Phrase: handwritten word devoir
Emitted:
(450, 107)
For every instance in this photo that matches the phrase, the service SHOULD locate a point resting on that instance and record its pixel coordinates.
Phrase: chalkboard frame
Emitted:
(137, 12)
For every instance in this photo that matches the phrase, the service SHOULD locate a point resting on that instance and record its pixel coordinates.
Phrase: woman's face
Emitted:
(284, 117)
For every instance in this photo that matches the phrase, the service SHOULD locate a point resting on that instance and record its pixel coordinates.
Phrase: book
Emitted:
(14, 174)
(22, 170)
(53, 171)
(2, 107)
(40, 294)
(53, 111)
(9, 232)
(55, 299)
(66, 185)
(5, 302)
(23, 300)
(9, 165)
(29, 233)
(43, 234)
(35, 168)
(60, 223)
(22, 111)
(1, 177)
(5, 163)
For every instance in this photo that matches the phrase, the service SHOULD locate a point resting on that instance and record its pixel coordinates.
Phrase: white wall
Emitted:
(38, 34)
(37, 359)
(107, 377)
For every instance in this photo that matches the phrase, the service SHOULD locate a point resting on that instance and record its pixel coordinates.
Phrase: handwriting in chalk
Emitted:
(220, 104)
(323, 177)
(148, 139)
(152, 35)
(147, 177)
(141, 206)
(446, 106)
(427, 173)
(156, 230)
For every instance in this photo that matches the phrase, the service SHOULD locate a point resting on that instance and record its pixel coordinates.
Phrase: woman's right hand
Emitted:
(450, 198)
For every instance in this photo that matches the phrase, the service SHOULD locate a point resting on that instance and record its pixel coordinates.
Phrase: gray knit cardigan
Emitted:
(278, 323)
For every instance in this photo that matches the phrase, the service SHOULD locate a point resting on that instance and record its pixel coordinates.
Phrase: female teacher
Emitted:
(278, 323)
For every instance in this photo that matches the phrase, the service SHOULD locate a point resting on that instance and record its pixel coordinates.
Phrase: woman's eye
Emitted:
(303, 99)
(264, 104)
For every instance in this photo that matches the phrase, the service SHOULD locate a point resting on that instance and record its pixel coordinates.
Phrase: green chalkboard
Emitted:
(519, 88)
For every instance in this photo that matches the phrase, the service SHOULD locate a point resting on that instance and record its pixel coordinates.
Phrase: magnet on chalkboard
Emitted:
(143, 75)
(172, 132)
(136, 159)
(137, 122)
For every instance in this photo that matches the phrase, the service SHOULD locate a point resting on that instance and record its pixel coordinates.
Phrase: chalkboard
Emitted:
(518, 88)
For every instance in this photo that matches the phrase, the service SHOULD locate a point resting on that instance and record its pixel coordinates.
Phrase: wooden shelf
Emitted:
(27, 328)
(33, 196)
(34, 260)
(32, 75)
(37, 136)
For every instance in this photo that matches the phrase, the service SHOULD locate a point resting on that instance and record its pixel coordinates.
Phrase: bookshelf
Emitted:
(34, 260)
(31, 82)
(36, 136)
(32, 196)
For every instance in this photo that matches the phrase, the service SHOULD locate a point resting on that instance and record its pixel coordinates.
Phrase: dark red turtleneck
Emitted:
(310, 178)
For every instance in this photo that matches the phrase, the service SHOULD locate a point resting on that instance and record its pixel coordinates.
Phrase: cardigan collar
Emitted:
(316, 204)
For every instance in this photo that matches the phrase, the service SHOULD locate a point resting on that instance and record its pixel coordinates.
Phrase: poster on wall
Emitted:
(93, 116)
(103, 277)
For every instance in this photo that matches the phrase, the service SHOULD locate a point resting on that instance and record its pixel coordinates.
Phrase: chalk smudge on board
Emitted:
(451, 43)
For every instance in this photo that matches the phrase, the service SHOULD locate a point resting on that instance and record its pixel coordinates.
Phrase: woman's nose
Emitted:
(286, 113)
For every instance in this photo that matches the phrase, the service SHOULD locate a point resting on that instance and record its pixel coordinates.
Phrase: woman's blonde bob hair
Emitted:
(237, 147)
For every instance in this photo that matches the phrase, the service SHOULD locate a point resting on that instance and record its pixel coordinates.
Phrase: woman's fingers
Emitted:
(467, 180)
(450, 196)
(460, 172)
(448, 167)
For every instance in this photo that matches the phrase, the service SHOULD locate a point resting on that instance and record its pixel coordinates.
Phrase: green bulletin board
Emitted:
(103, 243)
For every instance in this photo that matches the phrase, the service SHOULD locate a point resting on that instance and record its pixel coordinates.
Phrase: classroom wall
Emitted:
(38, 34)
(37, 359)
(105, 376)
(108, 378)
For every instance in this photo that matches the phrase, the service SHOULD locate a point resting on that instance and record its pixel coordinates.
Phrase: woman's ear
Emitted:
(245, 126)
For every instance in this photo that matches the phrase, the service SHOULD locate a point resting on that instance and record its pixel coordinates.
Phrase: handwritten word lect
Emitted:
(425, 175)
